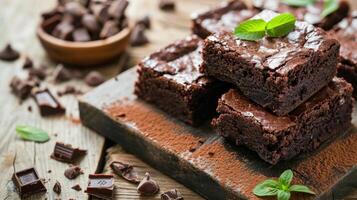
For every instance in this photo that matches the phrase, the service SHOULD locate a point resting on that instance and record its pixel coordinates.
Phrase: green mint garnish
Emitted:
(298, 3)
(253, 29)
(256, 29)
(281, 188)
(281, 25)
(330, 6)
(32, 133)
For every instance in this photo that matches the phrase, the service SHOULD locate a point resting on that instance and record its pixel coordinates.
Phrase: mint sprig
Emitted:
(256, 29)
(330, 6)
(281, 188)
(32, 133)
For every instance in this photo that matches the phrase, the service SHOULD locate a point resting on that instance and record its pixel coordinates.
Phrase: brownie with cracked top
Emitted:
(323, 117)
(276, 73)
(226, 16)
(310, 13)
(170, 79)
(346, 33)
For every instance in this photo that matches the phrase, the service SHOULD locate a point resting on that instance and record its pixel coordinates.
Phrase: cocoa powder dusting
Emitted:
(154, 125)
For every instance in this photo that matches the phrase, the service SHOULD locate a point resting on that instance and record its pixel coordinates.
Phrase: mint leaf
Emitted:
(283, 195)
(252, 30)
(286, 177)
(301, 188)
(281, 25)
(330, 6)
(32, 133)
(298, 3)
(266, 188)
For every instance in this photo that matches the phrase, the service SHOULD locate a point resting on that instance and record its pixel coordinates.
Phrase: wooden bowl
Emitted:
(84, 53)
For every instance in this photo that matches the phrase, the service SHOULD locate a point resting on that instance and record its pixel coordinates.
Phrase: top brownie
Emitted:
(224, 17)
(310, 14)
(276, 73)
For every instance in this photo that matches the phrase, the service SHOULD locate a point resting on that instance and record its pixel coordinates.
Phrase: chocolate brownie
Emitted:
(310, 14)
(170, 79)
(224, 17)
(276, 73)
(346, 33)
(324, 116)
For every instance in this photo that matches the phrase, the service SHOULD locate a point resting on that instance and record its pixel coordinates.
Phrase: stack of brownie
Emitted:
(277, 96)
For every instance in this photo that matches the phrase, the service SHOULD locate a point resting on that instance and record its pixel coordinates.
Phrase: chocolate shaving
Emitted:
(125, 170)
(9, 54)
(148, 186)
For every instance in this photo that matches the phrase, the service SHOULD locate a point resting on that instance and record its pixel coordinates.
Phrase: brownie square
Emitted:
(346, 33)
(226, 16)
(310, 14)
(324, 116)
(170, 79)
(276, 73)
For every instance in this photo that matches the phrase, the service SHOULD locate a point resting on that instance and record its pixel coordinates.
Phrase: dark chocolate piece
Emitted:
(110, 28)
(125, 170)
(74, 8)
(101, 186)
(94, 78)
(145, 21)
(38, 72)
(66, 153)
(69, 90)
(9, 54)
(57, 188)
(49, 24)
(171, 195)
(76, 187)
(117, 8)
(61, 74)
(21, 88)
(27, 182)
(27, 63)
(63, 30)
(90, 22)
(81, 35)
(47, 103)
(147, 186)
(72, 172)
(167, 5)
(138, 37)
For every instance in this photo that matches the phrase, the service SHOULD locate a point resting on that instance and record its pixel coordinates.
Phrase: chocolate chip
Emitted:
(117, 8)
(145, 21)
(73, 172)
(110, 28)
(61, 74)
(90, 22)
(57, 188)
(172, 195)
(74, 8)
(138, 37)
(21, 88)
(167, 5)
(94, 78)
(81, 35)
(77, 187)
(39, 73)
(9, 54)
(63, 30)
(29, 108)
(148, 186)
(27, 63)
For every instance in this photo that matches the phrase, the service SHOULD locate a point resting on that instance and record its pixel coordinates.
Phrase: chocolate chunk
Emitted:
(138, 37)
(147, 186)
(21, 88)
(74, 8)
(63, 30)
(47, 103)
(101, 186)
(49, 24)
(57, 188)
(72, 172)
(66, 153)
(9, 54)
(94, 78)
(90, 22)
(69, 90)
(167, 5)
(61, 74)
(125, 170)
(77, 187)
(103, 14)
(27, 63)
(27, 182)
(81, 35)
(145, 21)
(117, 8)
(172, 195)
(110, 28)
(38, 73)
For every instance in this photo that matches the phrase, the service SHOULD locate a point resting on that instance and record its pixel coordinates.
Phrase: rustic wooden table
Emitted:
(18, 22)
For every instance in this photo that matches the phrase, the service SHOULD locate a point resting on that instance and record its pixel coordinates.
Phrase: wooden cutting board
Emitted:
(202, 160)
